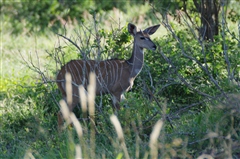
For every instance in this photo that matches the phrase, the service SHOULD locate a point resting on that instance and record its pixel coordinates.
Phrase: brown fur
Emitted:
(112, 76)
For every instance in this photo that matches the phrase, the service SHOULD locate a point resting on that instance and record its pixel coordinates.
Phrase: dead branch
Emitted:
(37, 69)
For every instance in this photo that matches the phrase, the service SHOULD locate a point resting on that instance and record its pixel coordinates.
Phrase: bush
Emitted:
(186, 83)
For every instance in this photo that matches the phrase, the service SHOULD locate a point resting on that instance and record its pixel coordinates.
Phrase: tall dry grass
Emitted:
(86, 145)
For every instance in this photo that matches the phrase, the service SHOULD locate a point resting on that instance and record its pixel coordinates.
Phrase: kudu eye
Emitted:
(113, 76)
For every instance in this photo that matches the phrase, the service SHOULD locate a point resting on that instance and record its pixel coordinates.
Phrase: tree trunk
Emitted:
(209, 10)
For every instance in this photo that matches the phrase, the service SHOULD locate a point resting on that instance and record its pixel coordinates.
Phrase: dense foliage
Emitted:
(39, 15)
(191, 84)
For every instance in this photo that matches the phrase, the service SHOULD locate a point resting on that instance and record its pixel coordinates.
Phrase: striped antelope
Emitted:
(112, 76)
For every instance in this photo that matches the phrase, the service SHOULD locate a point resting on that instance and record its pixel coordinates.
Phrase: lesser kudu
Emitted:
(112, 76)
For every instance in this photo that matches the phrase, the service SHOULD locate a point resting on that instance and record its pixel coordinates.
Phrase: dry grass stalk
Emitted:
(78, 152)
(29, 155)
(83, 99)
(205, 156)
(153, 143)
(119, 131)
(68, 78)
(91, 110)
(65, 110)
(70, 117)
(77, 125)
(91, 94)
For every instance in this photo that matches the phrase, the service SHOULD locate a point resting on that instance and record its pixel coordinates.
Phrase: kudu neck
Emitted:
(137, 59)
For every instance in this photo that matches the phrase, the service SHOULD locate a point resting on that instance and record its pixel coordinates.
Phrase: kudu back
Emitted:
(112, 76)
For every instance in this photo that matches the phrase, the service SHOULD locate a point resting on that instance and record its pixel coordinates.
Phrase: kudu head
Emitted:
(141, 38)
(113, 77)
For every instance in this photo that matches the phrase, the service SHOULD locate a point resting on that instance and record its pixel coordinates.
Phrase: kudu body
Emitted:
(112, 76)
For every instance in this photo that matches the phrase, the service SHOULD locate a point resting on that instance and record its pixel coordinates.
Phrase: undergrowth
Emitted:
(194, 115)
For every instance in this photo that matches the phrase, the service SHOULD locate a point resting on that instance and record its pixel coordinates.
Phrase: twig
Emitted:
(37, 69)
(181, 77)
(150, 92)
(204, 68)
(80, 50)
(225, 50)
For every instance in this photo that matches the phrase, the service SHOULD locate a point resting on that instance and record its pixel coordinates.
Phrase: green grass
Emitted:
(28, 112)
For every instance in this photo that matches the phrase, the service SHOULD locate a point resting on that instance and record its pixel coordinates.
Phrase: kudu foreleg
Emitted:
(116, 99)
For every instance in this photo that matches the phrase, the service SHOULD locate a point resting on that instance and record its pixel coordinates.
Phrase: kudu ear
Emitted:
(132, 29)
(151, 30)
